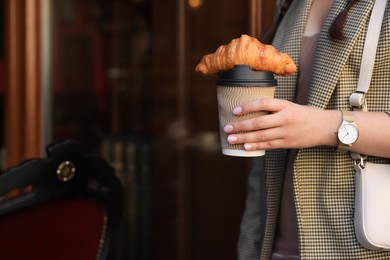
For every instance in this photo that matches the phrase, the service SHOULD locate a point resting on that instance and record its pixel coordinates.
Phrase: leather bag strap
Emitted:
(357, 99)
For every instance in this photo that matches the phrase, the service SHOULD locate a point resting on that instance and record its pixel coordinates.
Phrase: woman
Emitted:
(302, 205)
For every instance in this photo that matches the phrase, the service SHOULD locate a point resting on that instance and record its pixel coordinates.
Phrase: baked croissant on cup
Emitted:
(247, 50)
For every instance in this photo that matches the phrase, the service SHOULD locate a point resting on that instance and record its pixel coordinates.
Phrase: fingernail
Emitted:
(228, 128)
(247, 146)
(231, 138)
(237, 110)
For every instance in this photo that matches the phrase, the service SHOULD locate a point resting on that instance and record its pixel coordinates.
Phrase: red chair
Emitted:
(65, 206)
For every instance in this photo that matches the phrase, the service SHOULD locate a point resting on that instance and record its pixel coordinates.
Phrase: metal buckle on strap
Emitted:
(359, 160)
(358, 100)
(360, 163)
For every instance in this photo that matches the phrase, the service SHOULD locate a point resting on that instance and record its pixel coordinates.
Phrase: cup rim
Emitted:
(242, 75)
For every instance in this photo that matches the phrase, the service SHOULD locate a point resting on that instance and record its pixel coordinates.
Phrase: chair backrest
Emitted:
(65, 206)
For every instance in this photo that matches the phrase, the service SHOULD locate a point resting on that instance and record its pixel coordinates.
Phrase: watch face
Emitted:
(348, 134)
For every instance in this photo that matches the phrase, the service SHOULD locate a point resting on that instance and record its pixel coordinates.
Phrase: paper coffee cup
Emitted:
(235, 87)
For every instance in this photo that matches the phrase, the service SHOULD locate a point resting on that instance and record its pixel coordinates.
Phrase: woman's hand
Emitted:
(288, 125)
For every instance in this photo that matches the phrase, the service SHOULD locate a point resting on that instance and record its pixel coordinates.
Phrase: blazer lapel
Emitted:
(291, 28)
(331, 56)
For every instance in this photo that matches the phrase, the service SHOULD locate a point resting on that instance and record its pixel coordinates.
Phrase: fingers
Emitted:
(252, 124)
(264, 131)
(274, 144)
(265, 139)
(265, 104)
(256, 136)
(257, 122)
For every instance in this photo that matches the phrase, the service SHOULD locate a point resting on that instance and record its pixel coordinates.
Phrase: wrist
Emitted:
(332, 120)
(348, 132)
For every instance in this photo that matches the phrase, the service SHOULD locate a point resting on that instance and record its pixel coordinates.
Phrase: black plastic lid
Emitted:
(242, 75)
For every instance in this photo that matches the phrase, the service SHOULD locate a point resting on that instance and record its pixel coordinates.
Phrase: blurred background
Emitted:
(118, 76)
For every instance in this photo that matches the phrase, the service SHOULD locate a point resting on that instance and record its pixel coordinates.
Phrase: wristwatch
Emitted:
(348, 132)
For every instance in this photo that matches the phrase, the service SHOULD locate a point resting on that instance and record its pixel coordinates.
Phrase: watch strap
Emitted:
(348, 116)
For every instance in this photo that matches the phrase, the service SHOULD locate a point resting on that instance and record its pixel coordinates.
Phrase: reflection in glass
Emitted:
(123, 84)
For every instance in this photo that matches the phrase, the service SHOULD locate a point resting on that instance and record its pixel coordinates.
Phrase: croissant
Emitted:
(250, 51)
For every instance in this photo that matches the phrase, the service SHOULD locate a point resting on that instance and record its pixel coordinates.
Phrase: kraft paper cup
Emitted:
(234, 88)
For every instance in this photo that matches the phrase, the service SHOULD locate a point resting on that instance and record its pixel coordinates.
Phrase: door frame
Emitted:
(23, 81)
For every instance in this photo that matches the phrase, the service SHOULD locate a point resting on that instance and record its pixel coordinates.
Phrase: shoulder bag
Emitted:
(372, 193)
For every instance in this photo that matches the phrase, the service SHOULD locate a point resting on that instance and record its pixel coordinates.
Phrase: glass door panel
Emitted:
(123, 84)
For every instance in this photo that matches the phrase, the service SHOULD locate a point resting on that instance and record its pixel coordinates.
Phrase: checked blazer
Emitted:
(323, 179)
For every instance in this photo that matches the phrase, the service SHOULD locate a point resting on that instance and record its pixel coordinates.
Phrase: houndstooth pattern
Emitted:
(323, 179)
